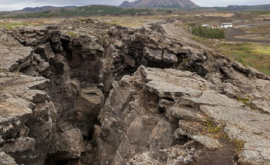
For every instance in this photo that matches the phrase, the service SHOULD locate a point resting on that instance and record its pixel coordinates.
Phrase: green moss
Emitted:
(210, 127)
(72, 34)
(244, 101)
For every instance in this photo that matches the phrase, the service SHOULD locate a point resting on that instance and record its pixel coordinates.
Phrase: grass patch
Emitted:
(249, 54)
(265, 71)
(238, 145)
(261, 12)
(3, 71)
(210, 128)
(258, 29)
(128, 23)
(204, 41)
(262, 49)
(254, 55)
(11, 25)
(7, 25)
(244, 101)
(72, 34)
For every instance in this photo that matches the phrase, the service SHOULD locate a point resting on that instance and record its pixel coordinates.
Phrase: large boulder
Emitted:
(67, 145)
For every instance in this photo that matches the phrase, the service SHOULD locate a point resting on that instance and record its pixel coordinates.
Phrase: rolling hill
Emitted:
(160, 4)
(77, 11)
(246, 7)
(125, 8)
(44, 8)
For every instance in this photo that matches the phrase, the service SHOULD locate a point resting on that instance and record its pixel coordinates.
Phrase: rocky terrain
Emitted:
(87, 92)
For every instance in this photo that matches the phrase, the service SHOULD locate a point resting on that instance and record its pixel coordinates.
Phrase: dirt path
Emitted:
(231, 33)
(175, 31)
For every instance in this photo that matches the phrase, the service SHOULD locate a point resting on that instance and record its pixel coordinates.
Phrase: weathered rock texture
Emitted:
(113, 95)
(159, 108)
(27, 112)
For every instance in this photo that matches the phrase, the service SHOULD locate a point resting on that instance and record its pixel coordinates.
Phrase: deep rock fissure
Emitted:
(124, 96)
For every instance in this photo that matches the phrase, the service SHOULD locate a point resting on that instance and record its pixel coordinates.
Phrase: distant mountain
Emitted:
(50, 11)
(160, 4)
(126, 8)
(246, 7)
(44, 8)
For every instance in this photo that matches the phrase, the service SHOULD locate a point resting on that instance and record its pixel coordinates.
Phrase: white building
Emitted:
(226, 25)
(205, 25)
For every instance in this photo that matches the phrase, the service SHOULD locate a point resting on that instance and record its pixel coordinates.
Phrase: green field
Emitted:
(249, 54)
(254, 55)
(261, 12)
(11, 25)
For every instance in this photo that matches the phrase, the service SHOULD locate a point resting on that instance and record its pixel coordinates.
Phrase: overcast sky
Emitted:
(7, 5)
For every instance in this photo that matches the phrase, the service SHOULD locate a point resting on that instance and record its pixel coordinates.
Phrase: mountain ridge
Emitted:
(43, 8)
(249, 7)
(159, 3)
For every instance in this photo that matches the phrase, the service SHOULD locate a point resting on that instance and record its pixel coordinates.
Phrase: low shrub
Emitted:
(208, 32)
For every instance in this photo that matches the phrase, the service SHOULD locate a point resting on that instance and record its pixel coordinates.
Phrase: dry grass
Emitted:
(261, 37)
(10, 24)
(127, 23)
(258, 29)
(215, 14)
(238, 145)
(133, 21)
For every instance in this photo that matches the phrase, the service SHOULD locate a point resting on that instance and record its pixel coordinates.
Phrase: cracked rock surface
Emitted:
(115, 95)
(190, 101)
